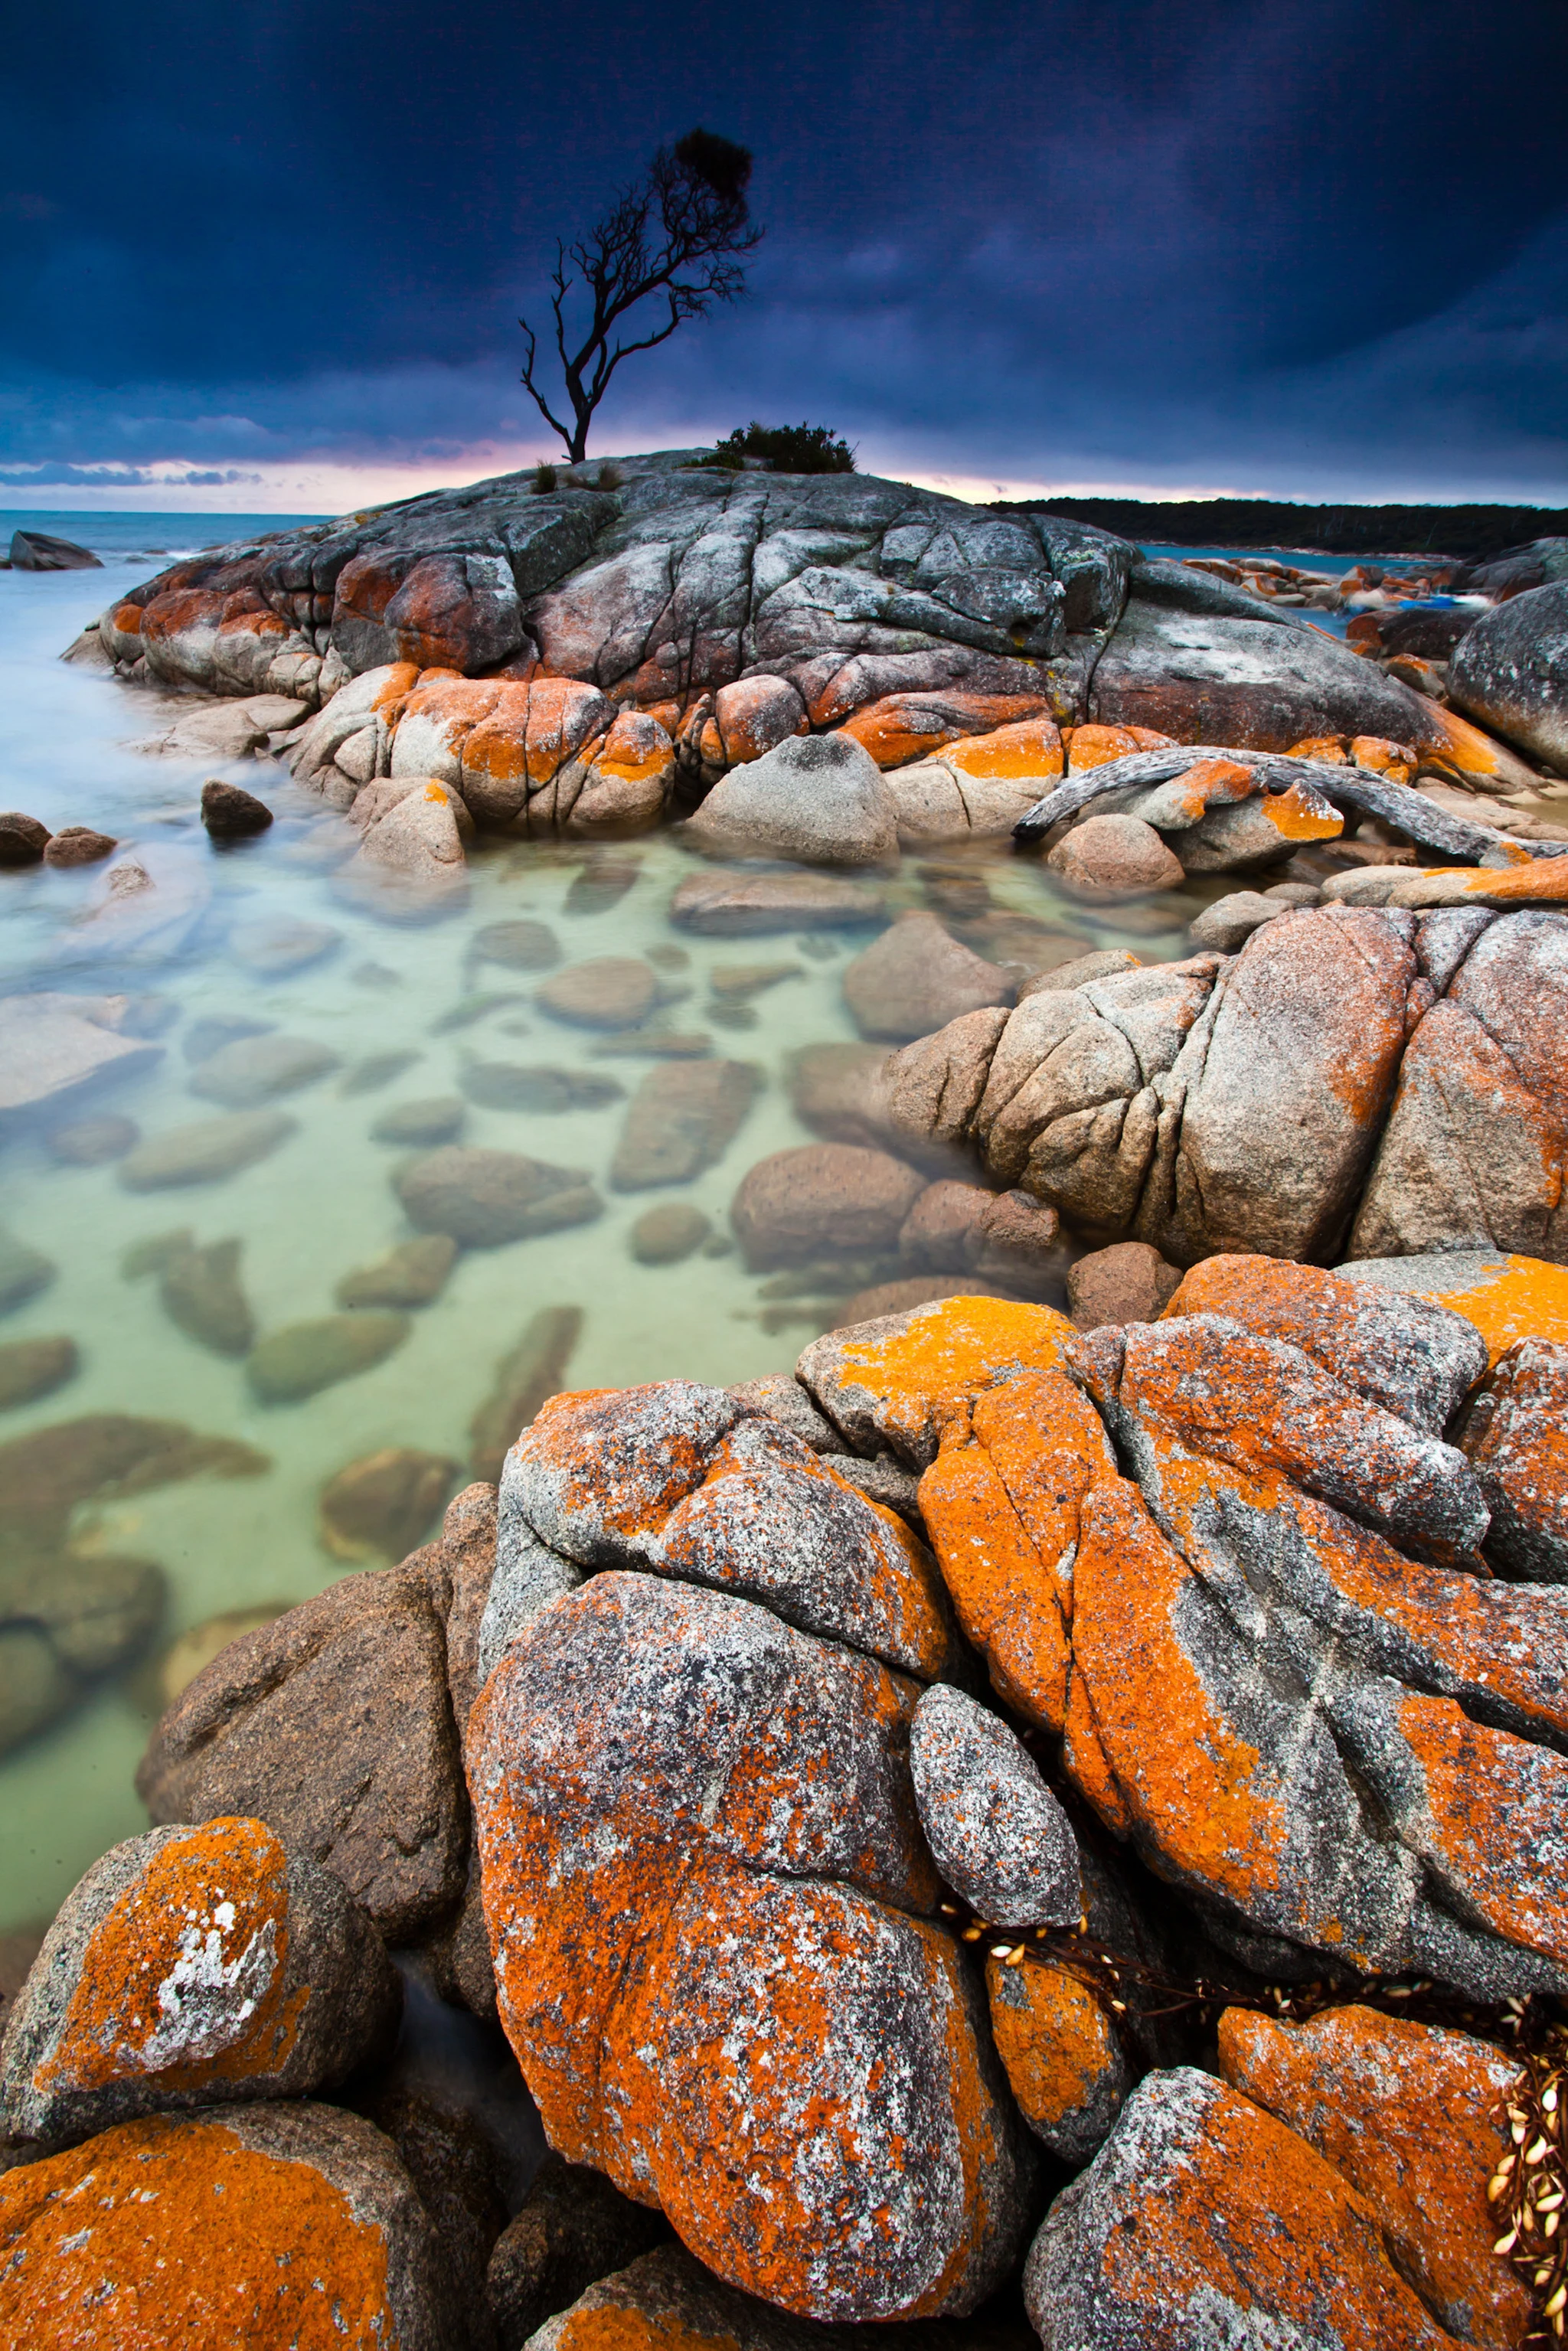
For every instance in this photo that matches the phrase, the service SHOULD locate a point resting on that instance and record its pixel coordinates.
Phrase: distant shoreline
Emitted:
(1469, 531)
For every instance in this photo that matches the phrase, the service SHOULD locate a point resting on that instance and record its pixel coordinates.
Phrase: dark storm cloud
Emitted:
(1304, 245)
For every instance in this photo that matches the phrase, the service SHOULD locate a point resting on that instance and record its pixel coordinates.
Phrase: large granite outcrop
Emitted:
(732, 611)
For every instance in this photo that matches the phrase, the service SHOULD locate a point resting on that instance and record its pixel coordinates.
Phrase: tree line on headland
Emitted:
(1471, 531)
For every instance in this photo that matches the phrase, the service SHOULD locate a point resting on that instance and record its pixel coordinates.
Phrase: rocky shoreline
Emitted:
(1035, 1824)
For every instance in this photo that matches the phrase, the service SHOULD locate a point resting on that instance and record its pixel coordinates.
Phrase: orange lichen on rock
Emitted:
(905, 1381)
(1002, 1513)
(210, 1908)
(1301, 813)
(161, 2232)
(1473, 1776)
(1521, 1298)
(1320, 747)
(1204, 2220)
(1397, 761)
(1096, 746)
(1207, 1803)
(905, 726)
(1061, 2052)
(1212, 783)
(1410, 2116)
(1028, 748)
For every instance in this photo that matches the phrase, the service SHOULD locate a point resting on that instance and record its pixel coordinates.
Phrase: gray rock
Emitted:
(682, 1119)
(996, 1833)
(1212, 678)
(1514, 1437)
(248, 1974)
(1204, 2221)
(486, 1198)
(821, 1200)
(1101, 965)
(432, 1119)
(916, 978)
(1109, 858)
(820, 799)
(669, 1234)
(573, 2229)
(412, 1274)
(455, 2167)
(31, 1368)
(253, 1070)
(207, 1151)
(39, 550)
(334, 1725)
(1511, 671)
(780, 1396)
(843, 1092)
(738, 906)
(294, 1363)
(1230, 921)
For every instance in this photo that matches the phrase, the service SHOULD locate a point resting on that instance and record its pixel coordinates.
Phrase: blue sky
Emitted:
(274, 257)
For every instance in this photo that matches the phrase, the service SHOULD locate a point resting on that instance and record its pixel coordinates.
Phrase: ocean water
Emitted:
(323, 1202)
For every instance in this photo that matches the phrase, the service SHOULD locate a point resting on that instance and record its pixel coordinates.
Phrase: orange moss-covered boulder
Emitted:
(260, 2228)
(1203, 2219)
(225, 638)
(453, 610)
(685, 1481)
(704, 1880)
(900, 1382)
(1516, 1435)
(630, 776)
(1411, 2117)
(192, 1965)
(903, 726)
(739, 723)
(1094, 746)
(1064, 2062)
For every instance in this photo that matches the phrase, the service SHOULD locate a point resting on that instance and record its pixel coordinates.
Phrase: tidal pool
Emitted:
(321, 1203)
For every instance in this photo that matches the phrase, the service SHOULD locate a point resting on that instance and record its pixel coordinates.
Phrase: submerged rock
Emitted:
(486, 1198)
(231, 813)
(526, 1377)
(31, 1368)
(669, 1234)
(200, 1290)
(93, 1141)
(742, 905)
(412, 1274)
(292, 1364)
(917, 977)
(433, 1118)
(821, 1199)
(383, 1505)
(610, 992)
(682, 1119)
(79, 845)
(253, 1070)
(206, 1152)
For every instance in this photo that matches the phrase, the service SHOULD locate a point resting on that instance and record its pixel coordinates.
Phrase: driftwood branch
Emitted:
(1407, 811)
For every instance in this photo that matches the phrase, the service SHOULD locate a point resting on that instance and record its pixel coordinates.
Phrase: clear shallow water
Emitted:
(322, 1204)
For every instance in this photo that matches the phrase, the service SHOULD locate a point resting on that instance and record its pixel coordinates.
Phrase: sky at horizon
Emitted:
(273, 260)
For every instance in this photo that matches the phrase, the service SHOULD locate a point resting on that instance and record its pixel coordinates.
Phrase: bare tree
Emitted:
(677, 237)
